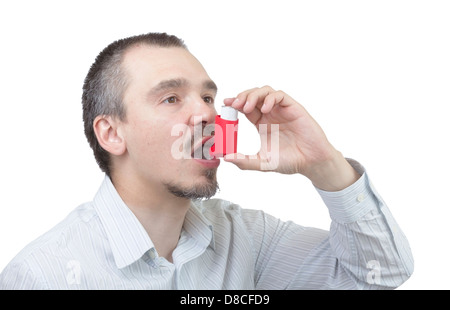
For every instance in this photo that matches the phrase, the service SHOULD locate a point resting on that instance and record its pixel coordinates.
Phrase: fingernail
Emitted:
(245, 107)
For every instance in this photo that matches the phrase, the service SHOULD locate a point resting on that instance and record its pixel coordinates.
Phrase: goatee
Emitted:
(204, 190)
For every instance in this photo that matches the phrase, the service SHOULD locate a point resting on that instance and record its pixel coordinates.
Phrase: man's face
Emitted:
(168, 91)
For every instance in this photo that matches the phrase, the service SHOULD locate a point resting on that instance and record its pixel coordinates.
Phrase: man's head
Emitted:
(137, 91)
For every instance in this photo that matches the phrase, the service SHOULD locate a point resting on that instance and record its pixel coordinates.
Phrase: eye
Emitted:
(171, 100)
(208, 99)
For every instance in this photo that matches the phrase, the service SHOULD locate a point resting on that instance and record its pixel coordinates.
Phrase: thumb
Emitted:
(244, 162)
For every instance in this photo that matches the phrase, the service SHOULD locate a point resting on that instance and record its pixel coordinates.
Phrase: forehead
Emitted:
(160, 63)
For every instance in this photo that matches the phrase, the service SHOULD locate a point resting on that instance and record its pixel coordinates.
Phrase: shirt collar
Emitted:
(128, 239)
(198, 226)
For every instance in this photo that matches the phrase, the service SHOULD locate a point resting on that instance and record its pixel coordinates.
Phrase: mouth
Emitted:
(201, 150)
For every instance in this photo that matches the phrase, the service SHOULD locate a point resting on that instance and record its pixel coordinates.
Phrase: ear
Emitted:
(108, 135)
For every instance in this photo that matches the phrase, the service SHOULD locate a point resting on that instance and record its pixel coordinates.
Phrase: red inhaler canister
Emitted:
(225, 132)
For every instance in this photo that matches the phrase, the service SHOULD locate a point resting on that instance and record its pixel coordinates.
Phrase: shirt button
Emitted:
(152, 253)
(360, 197)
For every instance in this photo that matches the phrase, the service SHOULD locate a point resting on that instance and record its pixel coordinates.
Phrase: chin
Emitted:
(204, 187)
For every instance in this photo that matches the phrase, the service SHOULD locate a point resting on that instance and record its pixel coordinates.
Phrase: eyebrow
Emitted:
(180, 83)
(210, 85)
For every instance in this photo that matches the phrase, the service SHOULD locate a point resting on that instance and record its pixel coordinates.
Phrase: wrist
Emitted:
(333, 174)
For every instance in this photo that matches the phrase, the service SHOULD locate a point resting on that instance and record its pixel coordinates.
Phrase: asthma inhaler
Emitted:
(225, 132)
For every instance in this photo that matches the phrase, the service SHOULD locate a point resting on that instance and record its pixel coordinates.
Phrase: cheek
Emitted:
(152, 143)
(152, 136)
(158, 150)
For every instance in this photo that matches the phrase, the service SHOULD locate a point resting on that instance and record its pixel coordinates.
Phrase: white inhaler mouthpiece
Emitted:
(229, 113)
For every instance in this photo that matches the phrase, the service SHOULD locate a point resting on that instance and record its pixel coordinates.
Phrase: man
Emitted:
(148, 226)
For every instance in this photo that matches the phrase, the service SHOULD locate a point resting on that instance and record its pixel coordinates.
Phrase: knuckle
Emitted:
(251, 97)
(246, 93)
(268, 88)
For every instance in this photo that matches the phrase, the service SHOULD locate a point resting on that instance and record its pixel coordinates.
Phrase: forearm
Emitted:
(365, 237)
(364, 249)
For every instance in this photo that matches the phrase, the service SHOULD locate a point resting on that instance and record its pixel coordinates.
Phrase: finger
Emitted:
(234, 103)
(271, 100)
(253, 116)
(244, 162)
(241, 99)
(228, 101)
(238, 104)
(256, 98)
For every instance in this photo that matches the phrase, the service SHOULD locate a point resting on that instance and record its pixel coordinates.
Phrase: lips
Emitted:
(201, 149)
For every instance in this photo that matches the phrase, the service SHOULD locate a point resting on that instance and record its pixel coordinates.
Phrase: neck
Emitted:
(160, 212)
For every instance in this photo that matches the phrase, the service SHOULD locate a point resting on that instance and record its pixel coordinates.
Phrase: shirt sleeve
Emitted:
(364, 248)
(19, 276)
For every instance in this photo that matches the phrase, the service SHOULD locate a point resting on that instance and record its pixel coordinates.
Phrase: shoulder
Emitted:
(48, 248)
(81, 216)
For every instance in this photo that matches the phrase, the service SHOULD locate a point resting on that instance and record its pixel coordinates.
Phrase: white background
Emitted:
(374, 74)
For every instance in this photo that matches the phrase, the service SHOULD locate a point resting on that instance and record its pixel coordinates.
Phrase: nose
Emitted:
(202, 113)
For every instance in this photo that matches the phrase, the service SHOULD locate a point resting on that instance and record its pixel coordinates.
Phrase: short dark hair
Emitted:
(106, 82)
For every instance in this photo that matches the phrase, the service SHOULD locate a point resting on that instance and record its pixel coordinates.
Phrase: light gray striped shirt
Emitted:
(102, 245)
